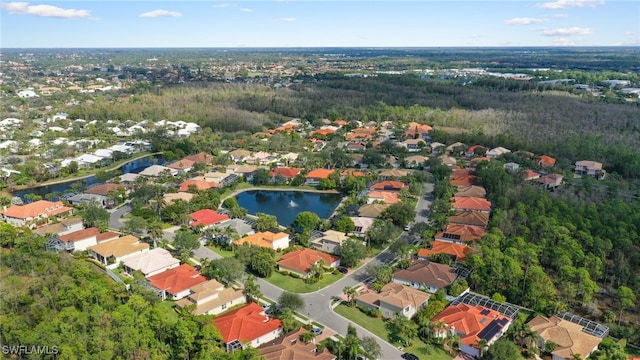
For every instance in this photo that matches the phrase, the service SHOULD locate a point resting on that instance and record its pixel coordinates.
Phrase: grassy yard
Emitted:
(377, 326)
(220, 251)
(298, 285)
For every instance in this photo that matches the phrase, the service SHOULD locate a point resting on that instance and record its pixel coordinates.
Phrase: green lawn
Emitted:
(220, 251)
(377, 326)
(298, 285)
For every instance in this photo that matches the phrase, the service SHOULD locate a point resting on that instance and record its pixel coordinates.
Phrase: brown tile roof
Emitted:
(470, 217)
(302, 259)
(569, 336)
(458, 251)
(471, 191)
(430, 273)
(461, 233)
(246, 323)
(395, 294)
(183, 164)
(80, 235)
(104, 189)
(372, 210)
(200, 158)
(36, 208)
(471, 203)
(394, 173)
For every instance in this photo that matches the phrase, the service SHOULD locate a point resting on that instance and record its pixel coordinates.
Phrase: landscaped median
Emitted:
(378, 327)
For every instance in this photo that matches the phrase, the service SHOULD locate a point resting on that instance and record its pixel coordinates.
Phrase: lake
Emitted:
(133, 167)
(286, 205)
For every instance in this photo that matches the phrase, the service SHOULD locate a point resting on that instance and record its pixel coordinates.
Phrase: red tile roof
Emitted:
(464, 180)
(199, 184)
(319, 174)
(547, 160)
(469, 321)
(246, 323)
(459, 251)
(470, 217)
(36, 208)
(207, 217)
(177, 279)
(471, 203)
(284, 172)
(461, 233)
(388, 185)
(301, 260)
(80, 234)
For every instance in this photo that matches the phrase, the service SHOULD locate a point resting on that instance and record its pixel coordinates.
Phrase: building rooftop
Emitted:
(430, 273)
(302, 259)
(569, 336)
(473, 323)
(246, 323)
(119, 247)
(177, 279)
(151, 261)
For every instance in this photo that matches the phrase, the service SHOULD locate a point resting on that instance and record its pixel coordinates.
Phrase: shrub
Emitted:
(295, 276)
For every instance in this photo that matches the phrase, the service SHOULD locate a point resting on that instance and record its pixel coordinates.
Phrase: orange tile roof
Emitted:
(470, 217)
(416, 129)
(461, 233)
(246, 323)
(183, 164)
(353, 173)
(262, 239)
(459, 251)
(199, 184)
(323, 132)
(302, 259)
(207, 217)
(386, 196)
(388, 185)
(469, 321)
(340, 122)
(463, 172)
(531, 175)
(471, 203)
(319, 174)
(104, 189)
(200, 158)
(464, 180)
(547, 160)
(35, 209)
(80, 234)
(285, 172)
(177, 279)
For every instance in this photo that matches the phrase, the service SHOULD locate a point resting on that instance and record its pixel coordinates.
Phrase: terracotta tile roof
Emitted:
(417, 129)
(106, 236)
(284, 172)
(471, 191)
(262, 239)
(319, 174)
(246, 323)
(569, 336)
(183, 164)
(301, 260)
(471, 203)
(200, 158)
(430, 273)
(322, 132)
(531, 175)
(177, 279)
(463, 172)
(469, 321)
(355, 173)
(460, 233)
(119, 247)
(80, 235)
(463, 180)
(388, 185)
(386, 196)
(290, 347)
(589, 164)
(104, 189)
(458, 251)
(199, 184)
(547, 161)
(470, 217)
(35, 209)
(340, 122)
(207, 217)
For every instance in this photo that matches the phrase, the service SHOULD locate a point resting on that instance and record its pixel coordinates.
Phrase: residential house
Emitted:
(425, 275)
(83, 239)
(245, 171)
(450, 161)
(212, 298)
(239, 155)
(285, 173)
(470, 191)
(239, 225)
(323, 133)
(206, 218)
(372, 210)
(393, 174)
(571, 338)
(550, 181)
(415, 130)
(201, 157)
(511, 167)
(388, 185)
(158, 170)
(300, 261)
(362, 225)
(151, 263)
(470, 217)
(355, 145)
(181, 166)
(128, 178)
(475, 150)
(217, 177)
(458, 252)
(471, 203)
(437, 148)
(355, 173)
(63, 227)
(101, 193)
(361, 134)
(530, 175)
(261, 158)
(176, 283)
(291, 347)
(413, 145)
(169, 198)
(546, 161)
(197, 185)
(472, 324)
(463, 177)
(415, 161)
(83, 198)
(387, 197)
(456, 233)
(314, 176)
(33, 214)
(497, 152)
(275, 241)
(329, 242)
(247, 326)
(394, 299)
(589, 168)
(114, 251)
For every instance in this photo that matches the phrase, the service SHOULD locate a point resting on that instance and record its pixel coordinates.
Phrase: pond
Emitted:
(286, 205)
(133, 167)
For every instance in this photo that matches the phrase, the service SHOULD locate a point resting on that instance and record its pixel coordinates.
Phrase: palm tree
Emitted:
(482, 346)
(351, 293)
(252, 289)
(317, 270)
(155, 231)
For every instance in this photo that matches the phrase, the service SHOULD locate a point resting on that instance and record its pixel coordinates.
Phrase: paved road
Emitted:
(114, 218)
(424, 203)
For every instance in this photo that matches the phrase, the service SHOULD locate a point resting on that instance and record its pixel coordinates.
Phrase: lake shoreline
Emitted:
(237, 192)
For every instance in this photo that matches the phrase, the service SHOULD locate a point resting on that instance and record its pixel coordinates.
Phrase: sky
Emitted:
(325, 23)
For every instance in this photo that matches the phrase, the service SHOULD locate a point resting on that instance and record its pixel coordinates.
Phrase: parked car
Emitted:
(410, 356)
(316, 330)
(343, 270)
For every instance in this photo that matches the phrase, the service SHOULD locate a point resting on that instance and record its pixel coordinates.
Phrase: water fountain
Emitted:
(292, 204)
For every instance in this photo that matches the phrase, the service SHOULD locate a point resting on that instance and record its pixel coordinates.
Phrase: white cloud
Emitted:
(524, 21)
(566, 31)
(223, 5)
(246, 10)
(563, 42)
(23, 8)
(564, 4)
(288, 19)
(159, 13)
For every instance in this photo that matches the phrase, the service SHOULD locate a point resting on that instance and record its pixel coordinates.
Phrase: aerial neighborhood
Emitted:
(340, 237)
